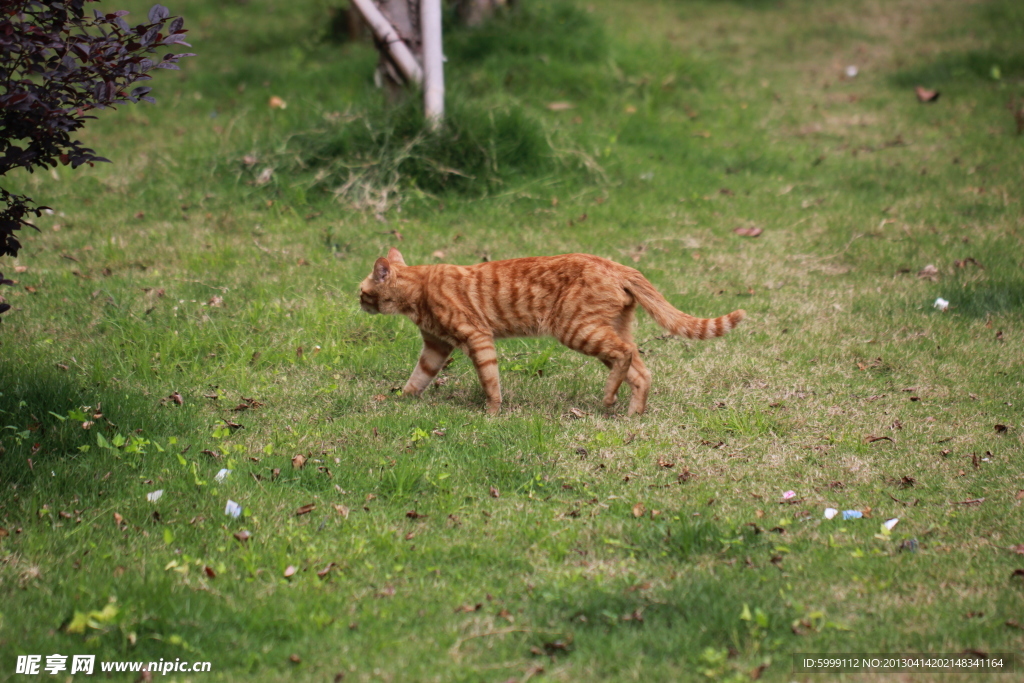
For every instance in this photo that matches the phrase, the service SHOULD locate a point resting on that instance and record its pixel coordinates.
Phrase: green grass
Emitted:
(556, 541)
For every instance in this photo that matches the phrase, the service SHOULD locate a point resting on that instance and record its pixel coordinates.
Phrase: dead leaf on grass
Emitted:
(174, 398)
(298, 461)
(639, 509)
(747, 231)
(924, 95)
(305, 509)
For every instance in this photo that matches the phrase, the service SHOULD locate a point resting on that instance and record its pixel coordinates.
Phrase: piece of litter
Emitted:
(890, 523)
(154, 496)
(233, 509)
(852, 514)
(909, 545)
(830, 513)
(941, 304)
(851, 71)
(789, 494)
(222, 475)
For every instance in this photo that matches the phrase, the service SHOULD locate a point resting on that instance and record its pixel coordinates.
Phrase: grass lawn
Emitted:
(195, 304)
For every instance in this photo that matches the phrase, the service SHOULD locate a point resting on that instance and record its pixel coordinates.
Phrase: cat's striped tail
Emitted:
(674, 320)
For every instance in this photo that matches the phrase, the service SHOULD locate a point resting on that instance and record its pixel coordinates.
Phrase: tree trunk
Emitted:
(410, 50)
(398, 41)
(404, 17)
(433, 63)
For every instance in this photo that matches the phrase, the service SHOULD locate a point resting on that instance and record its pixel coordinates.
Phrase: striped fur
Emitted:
(586, 302)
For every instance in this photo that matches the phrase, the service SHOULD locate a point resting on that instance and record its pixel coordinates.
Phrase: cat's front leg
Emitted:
(432, 358)
(480, 350)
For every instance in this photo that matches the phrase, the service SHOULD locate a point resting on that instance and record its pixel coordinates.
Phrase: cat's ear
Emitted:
(395, 257)
(381, 270)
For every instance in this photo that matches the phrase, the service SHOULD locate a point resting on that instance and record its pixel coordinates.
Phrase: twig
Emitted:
(261, 247)
(838, 253)
(454, 649)
(197, 282)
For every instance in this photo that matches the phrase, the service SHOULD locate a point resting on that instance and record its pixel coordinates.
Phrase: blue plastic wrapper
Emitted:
(852, 514)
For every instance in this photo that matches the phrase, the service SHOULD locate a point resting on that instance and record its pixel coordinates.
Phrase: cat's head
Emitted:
(378, 293)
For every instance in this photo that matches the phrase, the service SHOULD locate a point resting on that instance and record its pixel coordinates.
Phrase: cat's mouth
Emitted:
(368, 303)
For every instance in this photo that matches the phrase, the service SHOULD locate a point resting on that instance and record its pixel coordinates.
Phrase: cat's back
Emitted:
(520, 296)
(548, 273)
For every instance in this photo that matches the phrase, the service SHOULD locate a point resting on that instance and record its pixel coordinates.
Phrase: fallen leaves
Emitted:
(495, 493)
(298, 461)
(174, 398)
(305, 509)
(560, 106)
(747, 230)
(276, 102)
(924, 95)
(871, 438)
(929, 272)
(962, 263)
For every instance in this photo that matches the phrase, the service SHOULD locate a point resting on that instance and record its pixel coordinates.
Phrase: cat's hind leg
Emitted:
(604, 342)
(638, 377)
(639, 380)
(432, 358)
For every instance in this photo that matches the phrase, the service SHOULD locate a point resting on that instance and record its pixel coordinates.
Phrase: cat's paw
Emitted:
(493, 408)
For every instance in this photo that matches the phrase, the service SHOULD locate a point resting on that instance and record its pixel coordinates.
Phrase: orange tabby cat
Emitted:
(586, 302)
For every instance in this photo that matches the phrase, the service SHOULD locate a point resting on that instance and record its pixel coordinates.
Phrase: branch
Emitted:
(387, 35)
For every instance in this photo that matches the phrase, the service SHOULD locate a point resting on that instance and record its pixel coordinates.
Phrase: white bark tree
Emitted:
(408, 36)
